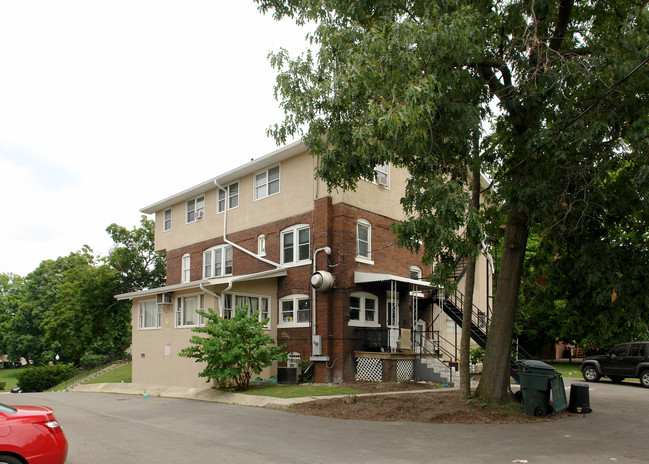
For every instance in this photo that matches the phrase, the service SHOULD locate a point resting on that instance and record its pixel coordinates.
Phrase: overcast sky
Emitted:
(109, 106)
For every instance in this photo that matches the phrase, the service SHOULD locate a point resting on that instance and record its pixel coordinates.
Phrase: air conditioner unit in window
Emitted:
(163, 298)
(200, 214)
(382, 179)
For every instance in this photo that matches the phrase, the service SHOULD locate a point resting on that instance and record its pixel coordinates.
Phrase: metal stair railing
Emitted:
(420, 340)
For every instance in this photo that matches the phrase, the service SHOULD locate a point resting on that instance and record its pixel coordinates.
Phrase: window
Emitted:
(295, 310)
(415, 272)
(254, 303)
(296, 245)
(364, 241)
(230, 195)
(382, 175)
(186, 310)
(217, 261)
(452, 327)
(149, 315)
(195, 208)
(267, 183)
(261, 245)
(363, 309)
(167, 220)
(187, 267)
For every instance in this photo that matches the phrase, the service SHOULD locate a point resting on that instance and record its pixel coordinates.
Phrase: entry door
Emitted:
(392, 320)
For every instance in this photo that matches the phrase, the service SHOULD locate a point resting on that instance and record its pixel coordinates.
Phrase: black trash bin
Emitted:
(538, 379)
(579, 399)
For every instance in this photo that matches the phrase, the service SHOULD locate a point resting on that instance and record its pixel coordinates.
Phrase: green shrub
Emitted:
(93, 360)
(306, 368)
(37, 379)
(476, 355)
(233, 349)
(2, 385)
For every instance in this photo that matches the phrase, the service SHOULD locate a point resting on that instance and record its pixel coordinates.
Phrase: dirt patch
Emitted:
(441, 406)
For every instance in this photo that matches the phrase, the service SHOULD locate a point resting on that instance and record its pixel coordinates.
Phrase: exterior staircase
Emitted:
(79, 381)
(433, 369)
(453, 305)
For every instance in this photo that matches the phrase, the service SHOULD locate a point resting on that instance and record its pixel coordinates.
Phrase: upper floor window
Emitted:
(382, 175)
(267, 183)
(296, 245)
(187, 267)
(167, 220)
(363, 240)
(217, 261)
(363, 309)
(187, 310)
(261, 245)
(253, 303)
(196, 208)
(230, 196)
(415, 272)
(149, 316)
(295, 310)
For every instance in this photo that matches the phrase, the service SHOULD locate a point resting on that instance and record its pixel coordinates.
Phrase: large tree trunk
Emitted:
(469, 284)
(494, 383)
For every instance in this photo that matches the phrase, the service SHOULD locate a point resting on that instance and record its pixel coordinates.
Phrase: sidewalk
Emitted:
(217, 396)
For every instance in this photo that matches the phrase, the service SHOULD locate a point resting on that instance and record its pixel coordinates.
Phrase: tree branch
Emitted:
(565, 14)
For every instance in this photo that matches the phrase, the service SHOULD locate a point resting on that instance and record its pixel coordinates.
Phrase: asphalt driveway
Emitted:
(108, 428)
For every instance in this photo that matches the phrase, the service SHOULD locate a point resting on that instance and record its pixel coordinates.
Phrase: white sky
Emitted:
(109, 106)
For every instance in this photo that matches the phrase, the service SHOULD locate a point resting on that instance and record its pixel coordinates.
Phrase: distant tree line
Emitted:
(65, 309)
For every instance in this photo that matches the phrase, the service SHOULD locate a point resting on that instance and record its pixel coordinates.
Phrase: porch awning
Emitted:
(273, 273)
(369, 277)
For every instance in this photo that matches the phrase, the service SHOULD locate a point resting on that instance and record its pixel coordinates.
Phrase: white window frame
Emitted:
(364, 223)
(186, 271)
(382, 170)
(363, 310)
(296, 312)
(261, 245)
(166, 221)
(295, 232)
(216, 259)
(229, 306)
(181, 302)
(142, 319)
(416, 270)
(193, 208)
(264, 186)
(229, 196)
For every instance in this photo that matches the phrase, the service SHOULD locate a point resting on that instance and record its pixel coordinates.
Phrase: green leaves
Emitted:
(233, 349)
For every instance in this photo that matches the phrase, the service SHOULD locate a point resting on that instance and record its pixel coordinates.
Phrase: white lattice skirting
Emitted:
(371, 369)
(405, 369)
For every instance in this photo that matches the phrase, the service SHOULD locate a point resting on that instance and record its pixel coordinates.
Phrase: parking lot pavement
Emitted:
(103, 428)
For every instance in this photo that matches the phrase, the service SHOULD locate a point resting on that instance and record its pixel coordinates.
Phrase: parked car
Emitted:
(624, 361)
(31, 434)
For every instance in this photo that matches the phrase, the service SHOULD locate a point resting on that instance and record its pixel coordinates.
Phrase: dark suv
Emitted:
(625, 360)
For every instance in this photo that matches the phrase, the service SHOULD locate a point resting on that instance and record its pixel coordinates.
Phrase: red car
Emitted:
(31, 434)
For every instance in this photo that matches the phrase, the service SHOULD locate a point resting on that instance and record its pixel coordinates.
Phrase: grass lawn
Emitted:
(9, 376)
(568, 370)
(297, 391)
(117, 375)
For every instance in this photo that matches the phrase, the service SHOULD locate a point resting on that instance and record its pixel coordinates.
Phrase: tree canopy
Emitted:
(66, 306)
(556, 90)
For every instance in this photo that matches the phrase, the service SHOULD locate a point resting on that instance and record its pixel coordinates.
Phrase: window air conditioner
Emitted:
(163, 298)
(200, 214)
(382, 179)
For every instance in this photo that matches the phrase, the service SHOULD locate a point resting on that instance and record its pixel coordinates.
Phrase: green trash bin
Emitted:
(538, 379)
